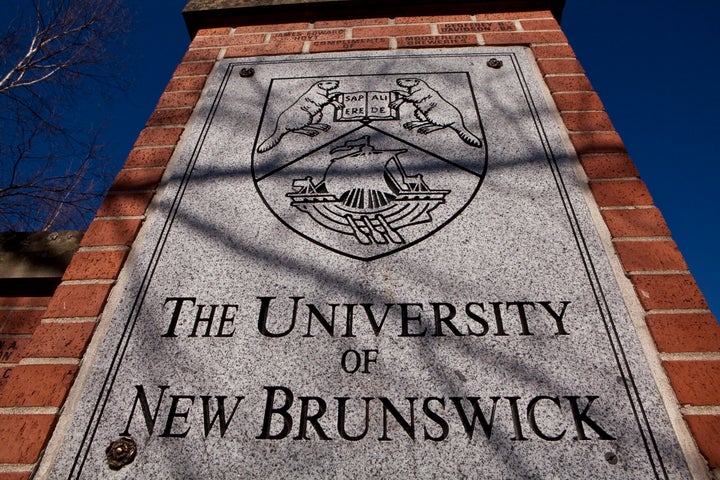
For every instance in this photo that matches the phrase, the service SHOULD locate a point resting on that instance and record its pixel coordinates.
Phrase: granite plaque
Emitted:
(375, 265)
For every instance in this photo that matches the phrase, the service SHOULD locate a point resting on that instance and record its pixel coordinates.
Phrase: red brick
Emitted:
(620, 193)
(15, 475)
(277, 27)
(587, 121)
(213, 31)
(159, 136)
(696, 382)
(37, 385)
(149, 157)
(226, 41)
(553, 51)
(13, 349)
(641, 222)
(103, 233)
(105, 264)
(351, 23)
(308, 36)
(544, 24)
(357, 44)
(650, 256)
(124, 204)
(672, 291)
(178, 99)
(134, 180)
(60, 340)
(78, 300)
(433, 19)
(4, 376)
(685, 332)
(24, 437)
(560, 66)
(569, 83)
(436, 41)
(597, 142)
(193, 69)
(201, 54)
(357, 22)
(523, 38)
(169, 116)
(24, 301)
(567, 101)
(514, 15)
(608, 165)
(186, 83)
(390, 31)
(273, 48)
(476, 27)
(706, 431)
(20, 322)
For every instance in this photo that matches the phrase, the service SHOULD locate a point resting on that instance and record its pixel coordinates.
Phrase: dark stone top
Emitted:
(32, 264)
(218, 13)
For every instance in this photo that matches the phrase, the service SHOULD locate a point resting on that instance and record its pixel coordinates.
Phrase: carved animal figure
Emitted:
(432, 111)
(304, 115)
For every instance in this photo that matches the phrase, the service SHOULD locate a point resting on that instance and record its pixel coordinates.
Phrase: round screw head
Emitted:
(121, 452)
(494, 63)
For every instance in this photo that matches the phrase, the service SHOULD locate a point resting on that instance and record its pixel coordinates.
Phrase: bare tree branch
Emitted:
(52, 59)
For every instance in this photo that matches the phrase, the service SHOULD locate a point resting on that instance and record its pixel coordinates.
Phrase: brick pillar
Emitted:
(686, 334)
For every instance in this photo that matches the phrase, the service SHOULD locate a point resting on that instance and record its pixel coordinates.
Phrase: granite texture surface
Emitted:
(373, 266)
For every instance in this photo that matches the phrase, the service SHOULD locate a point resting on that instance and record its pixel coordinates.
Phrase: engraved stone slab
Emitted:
(375, 265)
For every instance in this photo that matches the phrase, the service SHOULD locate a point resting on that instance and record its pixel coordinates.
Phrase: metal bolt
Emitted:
(121, 452)
(247, 72)
(494, 63)
(611, 458)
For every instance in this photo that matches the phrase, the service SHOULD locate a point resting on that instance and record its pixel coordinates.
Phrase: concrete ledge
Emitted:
(32, 264)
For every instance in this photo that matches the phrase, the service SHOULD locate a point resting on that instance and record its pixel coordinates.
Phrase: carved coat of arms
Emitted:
(368, 165)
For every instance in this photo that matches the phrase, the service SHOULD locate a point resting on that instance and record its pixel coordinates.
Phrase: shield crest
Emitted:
(368, 165)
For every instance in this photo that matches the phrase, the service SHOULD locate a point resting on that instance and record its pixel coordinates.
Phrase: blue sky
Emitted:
(653, 63)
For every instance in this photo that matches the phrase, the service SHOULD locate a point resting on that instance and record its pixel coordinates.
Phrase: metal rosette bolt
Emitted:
(121, 452)
(494, 63)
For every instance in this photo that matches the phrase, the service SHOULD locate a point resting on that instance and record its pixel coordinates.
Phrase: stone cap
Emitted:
(225, 13)
(32, 264)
